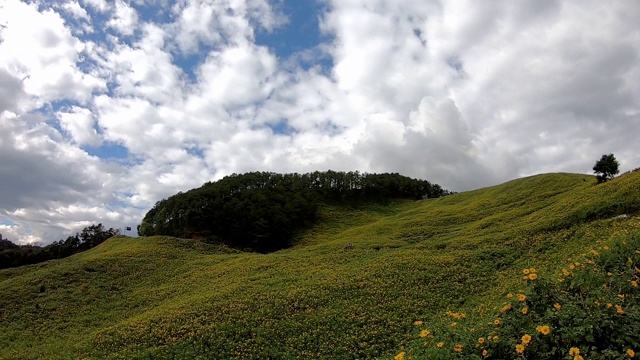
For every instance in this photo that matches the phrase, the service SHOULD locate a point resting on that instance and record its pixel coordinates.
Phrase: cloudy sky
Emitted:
(109, 106)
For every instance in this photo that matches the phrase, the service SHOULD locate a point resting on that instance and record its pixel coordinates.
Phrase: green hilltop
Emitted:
(350, 288)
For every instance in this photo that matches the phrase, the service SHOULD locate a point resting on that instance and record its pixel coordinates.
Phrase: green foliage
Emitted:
(592, 307)
(606, 168)
(263, 211)
(12, 255)
(162, 297)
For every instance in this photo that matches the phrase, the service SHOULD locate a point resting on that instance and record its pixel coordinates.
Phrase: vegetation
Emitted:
(12, 255)
(263, 211)
(588, 310)
(606, 168)
(352, 286)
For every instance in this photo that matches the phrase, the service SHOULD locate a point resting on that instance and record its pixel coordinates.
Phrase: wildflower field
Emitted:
(536, 268)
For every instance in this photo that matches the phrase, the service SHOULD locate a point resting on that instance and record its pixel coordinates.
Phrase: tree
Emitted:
(606, 168)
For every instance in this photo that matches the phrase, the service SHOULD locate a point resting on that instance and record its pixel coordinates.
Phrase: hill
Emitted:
(263, 211)
(351, 287)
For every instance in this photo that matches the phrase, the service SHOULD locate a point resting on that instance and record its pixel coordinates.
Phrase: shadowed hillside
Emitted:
(350, 288)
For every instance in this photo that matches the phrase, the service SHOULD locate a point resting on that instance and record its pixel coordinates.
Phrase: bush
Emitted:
(590, 311)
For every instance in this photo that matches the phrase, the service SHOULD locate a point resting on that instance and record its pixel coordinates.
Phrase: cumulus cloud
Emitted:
(460, 93)
(214, 24)
(124, 19)
(48, 184)
(99, 5)
(38, 48)
(12, 92)
(80, 124)
(76, 10)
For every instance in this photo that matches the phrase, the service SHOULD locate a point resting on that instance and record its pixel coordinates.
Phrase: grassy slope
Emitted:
(154, 297)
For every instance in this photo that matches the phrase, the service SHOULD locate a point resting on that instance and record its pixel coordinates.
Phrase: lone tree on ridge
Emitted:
(606, 168)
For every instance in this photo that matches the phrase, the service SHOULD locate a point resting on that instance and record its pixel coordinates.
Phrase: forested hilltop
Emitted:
(13, 255)
(263, 210)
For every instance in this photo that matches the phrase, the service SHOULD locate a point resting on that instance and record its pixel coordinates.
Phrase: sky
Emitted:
(107, 107)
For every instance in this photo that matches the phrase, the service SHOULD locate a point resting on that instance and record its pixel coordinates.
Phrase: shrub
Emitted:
(590, 311)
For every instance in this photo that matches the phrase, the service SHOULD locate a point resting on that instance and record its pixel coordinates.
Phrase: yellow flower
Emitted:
(532, 270)
(557, 306)
(400, 356)
(526, 339)
(481, 340)
(533, 276)
(440, 344)
(417, 323)
(485, 353)
(457, 348)
(506, 308)
(525, 310)
(631, 353)
(634, 283)
(560, 280)
(454, 324)
(525, 271)
(496, 338)
(543, 329)
(594, 252)
(509, 295)
(565, 272)
(609, 274)
(572, 266)
(425, 333)
(496, 321)
(522, 297)
(574, 351)
(519, 348)
(619, 309)
(578, 357)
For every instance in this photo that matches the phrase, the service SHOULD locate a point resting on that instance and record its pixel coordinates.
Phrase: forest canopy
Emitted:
(261, 211)
(13, 255)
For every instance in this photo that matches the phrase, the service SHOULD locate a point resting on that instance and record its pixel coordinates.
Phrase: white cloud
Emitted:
(143, 69)
(216, 23)
(80, 124)
(12, 94)
(76, 10)
(124, 19)
(44, 178)
(235, 77)
(460, 93)
(99, 5)
(38, 48)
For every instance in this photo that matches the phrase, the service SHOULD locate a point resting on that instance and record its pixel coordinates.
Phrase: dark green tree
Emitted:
(263, 211)
(606, 168)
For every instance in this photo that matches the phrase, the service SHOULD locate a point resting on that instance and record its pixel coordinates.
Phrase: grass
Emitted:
(162, 297)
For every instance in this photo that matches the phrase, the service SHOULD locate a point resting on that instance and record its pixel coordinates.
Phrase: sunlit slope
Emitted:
(350, 289)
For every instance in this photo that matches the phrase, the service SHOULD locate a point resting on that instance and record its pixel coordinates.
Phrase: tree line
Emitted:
(13, 255)
(261, 211)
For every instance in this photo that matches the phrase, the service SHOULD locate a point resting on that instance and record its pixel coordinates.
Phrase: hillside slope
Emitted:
(351, 289)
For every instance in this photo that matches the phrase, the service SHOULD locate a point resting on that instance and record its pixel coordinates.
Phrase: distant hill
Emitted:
(351, 286)
(262, 211)
(13, 255)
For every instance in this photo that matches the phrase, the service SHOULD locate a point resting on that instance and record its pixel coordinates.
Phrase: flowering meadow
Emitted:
(590, 309)
(441, 278)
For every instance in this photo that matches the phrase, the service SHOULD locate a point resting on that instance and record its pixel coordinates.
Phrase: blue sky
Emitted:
(107, 107)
